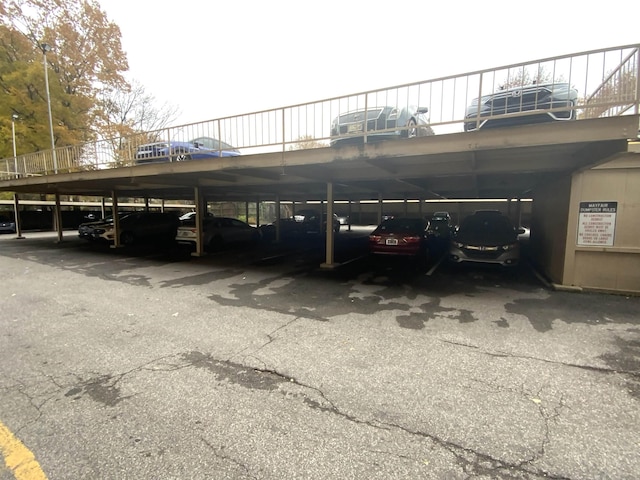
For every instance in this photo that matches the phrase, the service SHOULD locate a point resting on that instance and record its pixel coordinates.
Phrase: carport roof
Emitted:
(494, 163)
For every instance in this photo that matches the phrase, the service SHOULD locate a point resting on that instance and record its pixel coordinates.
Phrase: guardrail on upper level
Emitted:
(591, 84)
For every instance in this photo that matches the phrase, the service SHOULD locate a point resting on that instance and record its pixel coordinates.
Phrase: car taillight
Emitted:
(375, 238)
(411, 239)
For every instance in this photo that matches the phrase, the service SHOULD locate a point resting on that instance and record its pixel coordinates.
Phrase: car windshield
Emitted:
(211, 143)
(491, 229)
(401, 225)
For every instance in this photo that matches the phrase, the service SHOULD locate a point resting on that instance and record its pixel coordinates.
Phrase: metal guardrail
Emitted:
(603, 83)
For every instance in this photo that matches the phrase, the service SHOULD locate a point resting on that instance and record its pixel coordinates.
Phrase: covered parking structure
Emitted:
(565, 167)
(548, 163)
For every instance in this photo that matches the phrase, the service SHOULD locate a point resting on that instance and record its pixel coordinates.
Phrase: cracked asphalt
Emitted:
(151, 364)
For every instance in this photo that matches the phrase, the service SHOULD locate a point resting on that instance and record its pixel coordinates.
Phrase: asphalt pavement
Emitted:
(154, 364)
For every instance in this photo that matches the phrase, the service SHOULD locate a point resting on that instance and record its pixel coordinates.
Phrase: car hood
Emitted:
(486, 237)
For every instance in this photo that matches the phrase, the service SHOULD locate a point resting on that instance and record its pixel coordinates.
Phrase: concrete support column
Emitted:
(380, 205)
(201, 210)
(329, 258)
(116, 220)
(103, 208)
(16, 214)
(258, 212)
(57, 220)
(349, 215)
(277, 219)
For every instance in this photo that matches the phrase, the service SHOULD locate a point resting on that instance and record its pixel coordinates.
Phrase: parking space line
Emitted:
(18, 458)
(433, 269)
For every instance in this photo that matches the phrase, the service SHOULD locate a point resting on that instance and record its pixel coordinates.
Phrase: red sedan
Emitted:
(400, 236)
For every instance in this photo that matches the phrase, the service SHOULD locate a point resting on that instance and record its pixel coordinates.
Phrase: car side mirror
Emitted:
(521, 231)
(423, 109)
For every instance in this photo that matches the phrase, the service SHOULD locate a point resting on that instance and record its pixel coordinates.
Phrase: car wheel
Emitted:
(412, 128)
(127, 238)
(181, 157)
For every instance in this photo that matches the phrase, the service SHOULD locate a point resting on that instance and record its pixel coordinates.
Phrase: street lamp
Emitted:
(47, 48)
(14, 117)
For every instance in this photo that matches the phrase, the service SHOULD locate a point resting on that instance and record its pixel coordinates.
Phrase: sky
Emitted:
(220, 58)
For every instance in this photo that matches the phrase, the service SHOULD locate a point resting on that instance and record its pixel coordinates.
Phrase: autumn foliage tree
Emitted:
(86, 62)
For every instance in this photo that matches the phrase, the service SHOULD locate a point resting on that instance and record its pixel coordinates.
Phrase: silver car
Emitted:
(487, 236)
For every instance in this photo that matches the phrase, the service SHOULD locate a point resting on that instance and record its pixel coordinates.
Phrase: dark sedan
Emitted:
(218, 233)
(407, 237)
(7, 225)
(382, 123)
(306, 222)
(535, 103)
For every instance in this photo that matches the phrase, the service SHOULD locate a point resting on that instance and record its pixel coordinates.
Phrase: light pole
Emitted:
(14, 117)
(47, 48)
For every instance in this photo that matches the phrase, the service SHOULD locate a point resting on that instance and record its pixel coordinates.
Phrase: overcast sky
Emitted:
(229, 57)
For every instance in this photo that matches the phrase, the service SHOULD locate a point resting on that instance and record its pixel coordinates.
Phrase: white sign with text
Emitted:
(597, 223)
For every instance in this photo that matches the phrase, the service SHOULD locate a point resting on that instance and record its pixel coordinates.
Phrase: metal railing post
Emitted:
(637, 105)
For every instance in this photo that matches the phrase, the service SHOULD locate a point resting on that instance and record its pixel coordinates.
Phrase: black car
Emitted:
(381, 122)
(139, 227)
(487, 236)
(306, 222)
(441, 228)
(535, 103)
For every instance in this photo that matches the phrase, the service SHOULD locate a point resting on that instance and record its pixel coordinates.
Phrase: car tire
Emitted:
(127, 238)
(181, 157)
(412, 128)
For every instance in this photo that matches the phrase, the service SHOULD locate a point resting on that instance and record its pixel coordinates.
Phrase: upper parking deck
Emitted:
(571, 90)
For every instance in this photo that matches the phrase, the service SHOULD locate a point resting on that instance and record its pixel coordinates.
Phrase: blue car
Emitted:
(196, 149)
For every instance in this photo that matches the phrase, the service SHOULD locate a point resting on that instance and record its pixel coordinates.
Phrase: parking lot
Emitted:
(256, 363)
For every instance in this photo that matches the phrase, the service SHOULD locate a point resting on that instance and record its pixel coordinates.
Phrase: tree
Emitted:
(305, 142)
(523, 76)
(617, 93)
(86, 58)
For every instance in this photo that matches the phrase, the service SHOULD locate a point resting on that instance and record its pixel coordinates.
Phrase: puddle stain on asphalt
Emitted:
(235, 373)
(627, 359)
(102, 390)
(589, 309)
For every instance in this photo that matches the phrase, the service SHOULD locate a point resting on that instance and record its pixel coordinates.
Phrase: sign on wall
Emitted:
(597, 223)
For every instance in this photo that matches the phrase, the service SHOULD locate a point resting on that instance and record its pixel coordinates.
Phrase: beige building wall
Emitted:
(613, 268)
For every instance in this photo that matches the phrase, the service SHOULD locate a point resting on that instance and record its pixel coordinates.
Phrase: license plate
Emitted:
(355, 127)
(392, 241)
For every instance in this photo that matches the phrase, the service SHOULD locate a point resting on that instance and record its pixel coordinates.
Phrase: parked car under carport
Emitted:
(486, 237)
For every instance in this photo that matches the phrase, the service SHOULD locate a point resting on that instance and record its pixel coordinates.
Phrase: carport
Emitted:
(513, 163)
